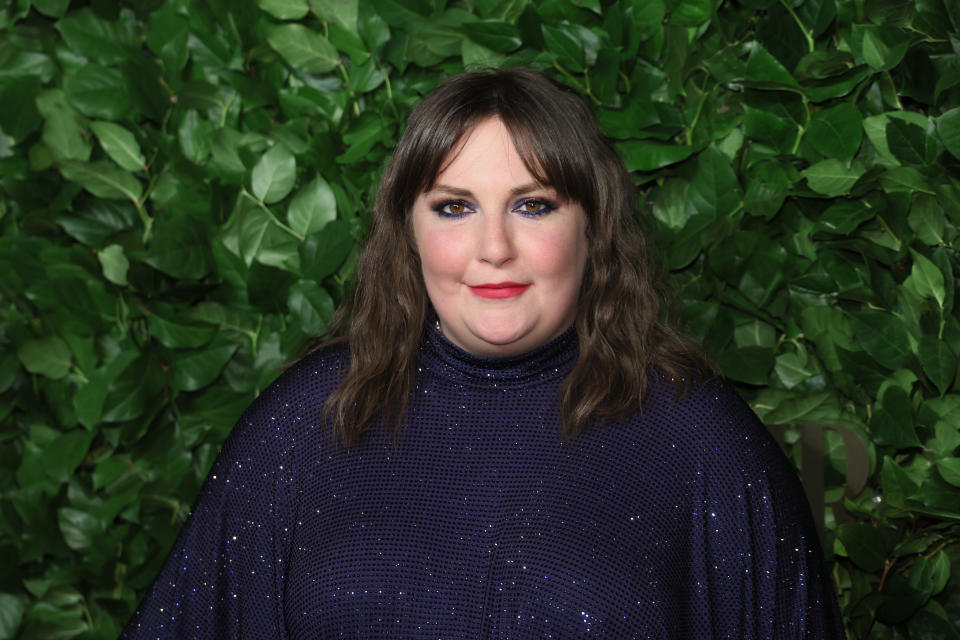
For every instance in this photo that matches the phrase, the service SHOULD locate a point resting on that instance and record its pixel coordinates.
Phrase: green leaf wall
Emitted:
(184, 186)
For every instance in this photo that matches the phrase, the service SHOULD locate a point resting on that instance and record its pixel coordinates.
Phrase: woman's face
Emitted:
(502, 256)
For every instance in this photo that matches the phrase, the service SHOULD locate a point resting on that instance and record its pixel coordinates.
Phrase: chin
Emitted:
(499, 334)
(504, 345)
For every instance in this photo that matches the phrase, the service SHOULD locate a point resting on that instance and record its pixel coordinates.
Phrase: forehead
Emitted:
(486, 152)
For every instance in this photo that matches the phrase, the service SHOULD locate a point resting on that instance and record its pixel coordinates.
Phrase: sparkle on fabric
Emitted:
(477, 522)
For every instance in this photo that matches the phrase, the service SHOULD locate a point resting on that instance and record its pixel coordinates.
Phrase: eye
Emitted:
(534, 207)
(452, 208)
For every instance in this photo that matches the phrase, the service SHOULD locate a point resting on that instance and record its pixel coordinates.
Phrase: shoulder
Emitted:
(735, 456)
(309, 379)
(291, 407)
(712, 419)
(708, 401)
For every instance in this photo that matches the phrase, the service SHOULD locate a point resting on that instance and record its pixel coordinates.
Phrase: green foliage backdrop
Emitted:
(183, 187)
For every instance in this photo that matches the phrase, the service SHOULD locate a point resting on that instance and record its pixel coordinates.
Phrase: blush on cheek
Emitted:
(441, 254)
(555, 254)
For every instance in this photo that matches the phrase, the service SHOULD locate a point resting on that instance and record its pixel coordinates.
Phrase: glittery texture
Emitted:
(477, 522)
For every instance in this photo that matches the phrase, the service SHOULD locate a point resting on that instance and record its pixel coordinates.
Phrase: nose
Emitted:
(496, 241)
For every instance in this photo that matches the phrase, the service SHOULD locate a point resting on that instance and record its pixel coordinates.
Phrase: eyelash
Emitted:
(545, 207)
(441, 208)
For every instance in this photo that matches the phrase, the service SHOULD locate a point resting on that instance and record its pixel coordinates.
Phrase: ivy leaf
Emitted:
(766, 71)
(897, 484)
(691, 13)
(495, 35)
(51, 9)
(907, 141)
(274, 174)
(193, 370)
(905, 179)
(103, 179)
(65, 453)
(285, 9)
(864, 545)
(114, 264)
(925, 279)
(890, 431)
(98, 92)
(366, 77)
(831, 177)
(649, 155)
(845, 216)
(20, 116)
(303, 48)
(375, 31)
(48, 356)
(947, 439)
(179, 248)
(79, 528)
(948, 128)
(95, 223)
(322, 253)
(768, 183)
(61, 129)
(88, 401)
(564, 46)
(751, 365)
(941, 258)
(880, 47)
(119, 144)
(763, 274)
(938, 360)
(817, 15)
(343, 12)
(311, 307)
(312, 207)
(883, 336)
(836, 132)
(927, 220)
(365, 133)
(11, 613)
(350, 43)
(793, 368)
(671, 204)
(244, 235)
(106, 41)
(949, 469)
(195, 136)
(646, 17)
(714, 190)
(178, 336)
(167, 34)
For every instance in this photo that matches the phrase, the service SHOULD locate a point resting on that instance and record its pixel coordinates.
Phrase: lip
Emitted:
(499, 290)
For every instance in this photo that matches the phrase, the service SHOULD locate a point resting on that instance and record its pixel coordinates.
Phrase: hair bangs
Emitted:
(548, 161)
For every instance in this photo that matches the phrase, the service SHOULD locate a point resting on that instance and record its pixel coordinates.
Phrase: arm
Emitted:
(755, 547)
(224, 575)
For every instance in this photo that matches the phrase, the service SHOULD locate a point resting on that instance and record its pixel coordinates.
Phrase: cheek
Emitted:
(441, 253)
(561, 256)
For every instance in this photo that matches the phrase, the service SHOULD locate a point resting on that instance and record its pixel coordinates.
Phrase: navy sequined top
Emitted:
(477, 522)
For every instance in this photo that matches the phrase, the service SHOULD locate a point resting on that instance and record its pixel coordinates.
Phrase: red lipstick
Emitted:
(499, 289)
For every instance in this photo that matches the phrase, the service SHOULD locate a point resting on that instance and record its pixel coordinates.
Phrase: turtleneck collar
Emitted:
(549, 361)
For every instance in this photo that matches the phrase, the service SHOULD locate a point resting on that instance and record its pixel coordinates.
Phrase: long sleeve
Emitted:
(754, 550)
(224, 575)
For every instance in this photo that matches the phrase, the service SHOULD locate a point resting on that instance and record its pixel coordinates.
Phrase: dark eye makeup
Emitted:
(453, 208)
(529, 207)
(534, 207)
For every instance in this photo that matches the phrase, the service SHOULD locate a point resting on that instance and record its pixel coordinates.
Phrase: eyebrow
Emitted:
(466, 193)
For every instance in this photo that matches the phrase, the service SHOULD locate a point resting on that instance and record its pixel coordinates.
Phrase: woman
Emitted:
(510, 442)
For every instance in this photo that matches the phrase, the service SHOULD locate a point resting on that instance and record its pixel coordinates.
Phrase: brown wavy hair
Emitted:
(621, 323)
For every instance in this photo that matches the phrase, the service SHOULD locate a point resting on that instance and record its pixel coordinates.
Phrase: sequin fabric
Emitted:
(684, 522)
